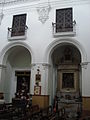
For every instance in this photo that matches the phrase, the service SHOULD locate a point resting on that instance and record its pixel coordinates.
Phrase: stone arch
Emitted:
(4, 53)
(8, 74)
(59, 41)
(52, 78)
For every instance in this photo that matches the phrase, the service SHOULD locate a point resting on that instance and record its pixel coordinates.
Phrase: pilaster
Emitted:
(39, 78)
(2, 71)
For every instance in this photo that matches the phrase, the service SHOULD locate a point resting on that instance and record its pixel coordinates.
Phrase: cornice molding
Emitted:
(9, 2)
(26, 5)
(40, 3)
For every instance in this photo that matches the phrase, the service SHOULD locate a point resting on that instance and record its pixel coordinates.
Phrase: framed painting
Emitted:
(68, 80)
(37, 90)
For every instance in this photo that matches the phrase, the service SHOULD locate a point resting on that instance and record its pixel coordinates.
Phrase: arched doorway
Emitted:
(17, 60)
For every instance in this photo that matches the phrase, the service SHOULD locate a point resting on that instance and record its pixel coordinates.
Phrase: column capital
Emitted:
(84, 64)
(2, 66)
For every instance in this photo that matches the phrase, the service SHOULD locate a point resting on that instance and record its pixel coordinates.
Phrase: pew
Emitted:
(9, 111)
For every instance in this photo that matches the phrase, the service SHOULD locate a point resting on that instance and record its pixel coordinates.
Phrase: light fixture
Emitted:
(1, 11)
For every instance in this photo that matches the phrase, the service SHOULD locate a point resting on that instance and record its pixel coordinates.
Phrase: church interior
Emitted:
(44, 60)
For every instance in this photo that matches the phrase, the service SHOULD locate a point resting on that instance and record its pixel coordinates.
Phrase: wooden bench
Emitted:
(10, 112)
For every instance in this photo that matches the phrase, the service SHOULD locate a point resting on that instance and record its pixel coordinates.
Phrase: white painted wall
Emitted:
(39, 36)
(7, 82)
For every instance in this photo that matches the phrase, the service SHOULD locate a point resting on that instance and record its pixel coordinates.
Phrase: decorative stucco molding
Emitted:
(44, 13)
(6, 2)
(2, 66)
(46, 65)
(84, 65)
(1, 17)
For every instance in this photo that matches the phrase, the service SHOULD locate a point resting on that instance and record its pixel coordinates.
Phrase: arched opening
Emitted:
(65, 57)
(66, 60)
(17, 59)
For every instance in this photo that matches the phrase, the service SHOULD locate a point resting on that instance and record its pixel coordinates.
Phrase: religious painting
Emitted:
(37, 90)
(23, 81)
(68, 80)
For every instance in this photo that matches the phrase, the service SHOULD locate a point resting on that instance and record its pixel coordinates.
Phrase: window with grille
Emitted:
(18, 25)
(64, 20)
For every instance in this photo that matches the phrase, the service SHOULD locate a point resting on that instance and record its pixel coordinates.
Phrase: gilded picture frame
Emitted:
(37, 90)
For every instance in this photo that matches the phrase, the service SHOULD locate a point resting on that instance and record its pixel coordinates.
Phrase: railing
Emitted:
(17, 32)
(59, 30)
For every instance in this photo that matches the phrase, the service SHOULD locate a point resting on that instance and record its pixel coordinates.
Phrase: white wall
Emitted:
(7, 82)
(39, 35)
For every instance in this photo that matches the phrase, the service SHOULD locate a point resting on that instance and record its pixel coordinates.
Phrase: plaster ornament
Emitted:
(84, 64)
(43, 13)
(1, 17)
